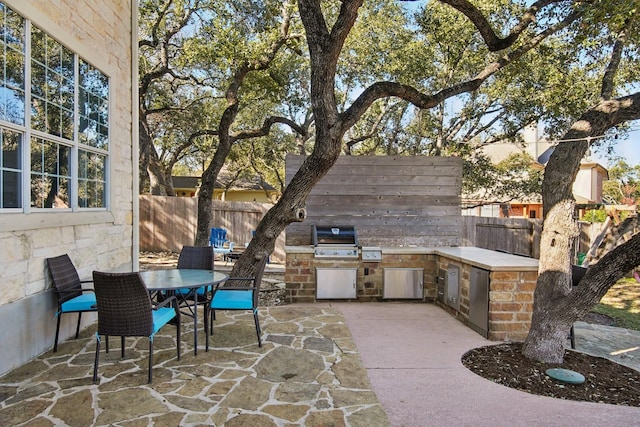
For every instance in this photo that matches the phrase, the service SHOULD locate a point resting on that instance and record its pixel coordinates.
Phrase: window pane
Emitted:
(38, 45)
(12, 105)
(11, 189)
(11, 177)
(50, 176)
(37, 154)
(11, 150)
(52, 85)
(66, 94)
(12, 42)
(53, 118)
(67, 64)
(13, 68)
(66, 123)
(94, 107)
(49, 192)
(38, 80)
(53, 55)
(13, 29)
(91, 180)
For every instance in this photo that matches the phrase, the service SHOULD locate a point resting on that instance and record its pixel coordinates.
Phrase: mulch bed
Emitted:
(606, 381)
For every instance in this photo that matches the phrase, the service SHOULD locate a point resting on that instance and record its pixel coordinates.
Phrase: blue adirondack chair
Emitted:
(221, 245)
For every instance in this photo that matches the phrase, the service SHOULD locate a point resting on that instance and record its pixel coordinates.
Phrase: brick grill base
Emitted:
(510, 292)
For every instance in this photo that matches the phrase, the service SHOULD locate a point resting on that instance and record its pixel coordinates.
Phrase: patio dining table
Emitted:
(173, 279)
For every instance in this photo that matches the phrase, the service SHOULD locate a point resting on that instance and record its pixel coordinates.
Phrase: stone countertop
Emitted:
(488, 259)
(308, 249)
(478, 257)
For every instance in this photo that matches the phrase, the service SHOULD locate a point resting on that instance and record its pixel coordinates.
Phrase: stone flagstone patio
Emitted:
(308, 372)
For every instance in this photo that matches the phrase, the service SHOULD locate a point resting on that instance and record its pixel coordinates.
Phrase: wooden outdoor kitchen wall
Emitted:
(391, 200)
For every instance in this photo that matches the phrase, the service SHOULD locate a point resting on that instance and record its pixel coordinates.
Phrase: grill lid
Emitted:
(333, 235)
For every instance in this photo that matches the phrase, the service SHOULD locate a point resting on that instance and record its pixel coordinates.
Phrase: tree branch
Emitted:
(384, 89)
(564, 164)
(614, 63)
(493, 42)
(266, 127)
(373, 130)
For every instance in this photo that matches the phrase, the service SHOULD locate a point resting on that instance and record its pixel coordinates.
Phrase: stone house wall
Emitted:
(101, 33)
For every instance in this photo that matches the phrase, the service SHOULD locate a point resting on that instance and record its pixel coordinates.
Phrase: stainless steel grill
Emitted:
(335, 242)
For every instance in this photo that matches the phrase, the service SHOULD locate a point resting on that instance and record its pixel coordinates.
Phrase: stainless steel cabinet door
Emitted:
(336, 283)
(479, 301)
(403, 283)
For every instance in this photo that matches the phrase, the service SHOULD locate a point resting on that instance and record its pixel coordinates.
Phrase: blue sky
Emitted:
(628, 149)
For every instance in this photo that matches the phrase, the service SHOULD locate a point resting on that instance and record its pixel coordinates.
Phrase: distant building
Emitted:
(241, 190)
(587, 188)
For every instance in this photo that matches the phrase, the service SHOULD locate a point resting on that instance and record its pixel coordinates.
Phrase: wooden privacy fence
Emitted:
(168, 223)
(513, 235)
(517, 235)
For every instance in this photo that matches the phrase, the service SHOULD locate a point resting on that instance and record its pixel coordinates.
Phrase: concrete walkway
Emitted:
(412, 356)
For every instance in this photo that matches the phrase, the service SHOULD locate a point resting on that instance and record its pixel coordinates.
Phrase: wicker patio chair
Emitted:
(125, 310)
(71, 296)
(236, 293)
(195, 258)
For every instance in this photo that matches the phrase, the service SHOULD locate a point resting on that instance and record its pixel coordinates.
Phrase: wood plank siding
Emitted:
(391, 200)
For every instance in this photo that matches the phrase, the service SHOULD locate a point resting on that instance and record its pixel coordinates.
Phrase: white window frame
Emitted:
(28, 133)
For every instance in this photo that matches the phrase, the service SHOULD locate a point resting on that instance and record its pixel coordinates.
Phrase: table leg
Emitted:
(195, 323)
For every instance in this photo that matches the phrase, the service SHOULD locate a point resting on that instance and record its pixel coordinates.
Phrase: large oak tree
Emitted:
(505, 45)
(326, 31)
(557, 304)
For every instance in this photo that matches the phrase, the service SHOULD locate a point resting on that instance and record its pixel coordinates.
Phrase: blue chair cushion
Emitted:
(232, 300)
(84, 302)
(161, 317)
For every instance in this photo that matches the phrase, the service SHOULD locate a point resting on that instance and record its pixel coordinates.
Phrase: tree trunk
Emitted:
(150, 163)
(324, 50)
(156, 177)
(551, 323)
(557, 304)
(210, 175)
(168, 184)
(290, 208)
(144, 143)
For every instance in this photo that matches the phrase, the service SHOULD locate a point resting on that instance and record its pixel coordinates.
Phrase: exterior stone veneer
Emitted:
(300, 274)
(103, 34)
(510, 300)
(510, 293)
